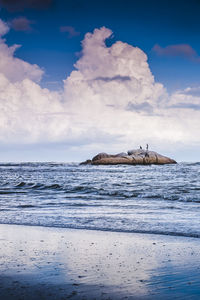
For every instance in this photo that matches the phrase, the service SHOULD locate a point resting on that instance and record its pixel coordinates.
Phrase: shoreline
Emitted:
(60, 263)
(171, 234)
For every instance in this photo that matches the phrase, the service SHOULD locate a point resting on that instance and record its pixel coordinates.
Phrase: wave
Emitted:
(152, 232)
(8, 192)
(38, 164)
(27, 206)
(160, 200)
(122, 191)
(31, 185)
(191, 163)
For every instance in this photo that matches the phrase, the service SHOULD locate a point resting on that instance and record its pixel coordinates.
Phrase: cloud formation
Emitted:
(113, 75)
(115, 78)
(142, 107)
(20, 5)
(110, 100)
(70, 30)
(15, 69)
(182, 50)
(21, 24)
(188, 98)
(193, 91)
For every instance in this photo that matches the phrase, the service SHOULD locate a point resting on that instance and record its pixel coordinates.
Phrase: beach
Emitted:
(58, 263)
(99, 150)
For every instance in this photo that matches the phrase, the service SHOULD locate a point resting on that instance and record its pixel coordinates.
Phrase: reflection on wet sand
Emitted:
(62, 263)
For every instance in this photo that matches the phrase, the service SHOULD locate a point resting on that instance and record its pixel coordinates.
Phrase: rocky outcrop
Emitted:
(132, 157)
(87, 162)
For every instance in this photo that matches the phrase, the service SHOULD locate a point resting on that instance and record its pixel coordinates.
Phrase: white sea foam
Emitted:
(151, 199)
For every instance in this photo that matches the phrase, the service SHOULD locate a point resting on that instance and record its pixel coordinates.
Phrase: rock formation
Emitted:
(132, 157)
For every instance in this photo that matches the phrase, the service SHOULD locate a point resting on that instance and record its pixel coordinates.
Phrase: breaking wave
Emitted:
(145, 199)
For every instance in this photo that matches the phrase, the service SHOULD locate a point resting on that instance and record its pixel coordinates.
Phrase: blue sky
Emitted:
(139, 23)
(50, 34)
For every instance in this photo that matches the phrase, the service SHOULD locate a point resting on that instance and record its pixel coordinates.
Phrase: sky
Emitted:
(82, 77)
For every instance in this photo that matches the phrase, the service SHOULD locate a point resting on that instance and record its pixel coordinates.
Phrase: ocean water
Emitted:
(149, 199)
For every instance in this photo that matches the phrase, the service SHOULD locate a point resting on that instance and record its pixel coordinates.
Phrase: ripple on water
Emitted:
(151, 199)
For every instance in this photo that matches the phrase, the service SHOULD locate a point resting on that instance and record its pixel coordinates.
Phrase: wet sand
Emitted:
(54, 263)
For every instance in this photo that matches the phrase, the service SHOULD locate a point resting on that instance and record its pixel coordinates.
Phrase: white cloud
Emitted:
(187, 98)
(103, 72)
(3, 28)
(13, 68)
(110, 100)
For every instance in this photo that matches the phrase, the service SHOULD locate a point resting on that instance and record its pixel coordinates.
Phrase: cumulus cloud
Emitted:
(188, 98)
(20, 5)
(21, 24)
(70, 30)
(110, 100)
(13, 68)
(112, 75)
(182, 50)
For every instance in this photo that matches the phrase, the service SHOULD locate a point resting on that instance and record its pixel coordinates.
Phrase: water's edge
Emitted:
(138, 199)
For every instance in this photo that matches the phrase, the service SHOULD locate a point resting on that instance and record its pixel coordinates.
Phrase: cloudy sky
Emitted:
(80, 77)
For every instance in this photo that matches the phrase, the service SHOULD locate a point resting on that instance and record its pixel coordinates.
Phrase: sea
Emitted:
(158, 199)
